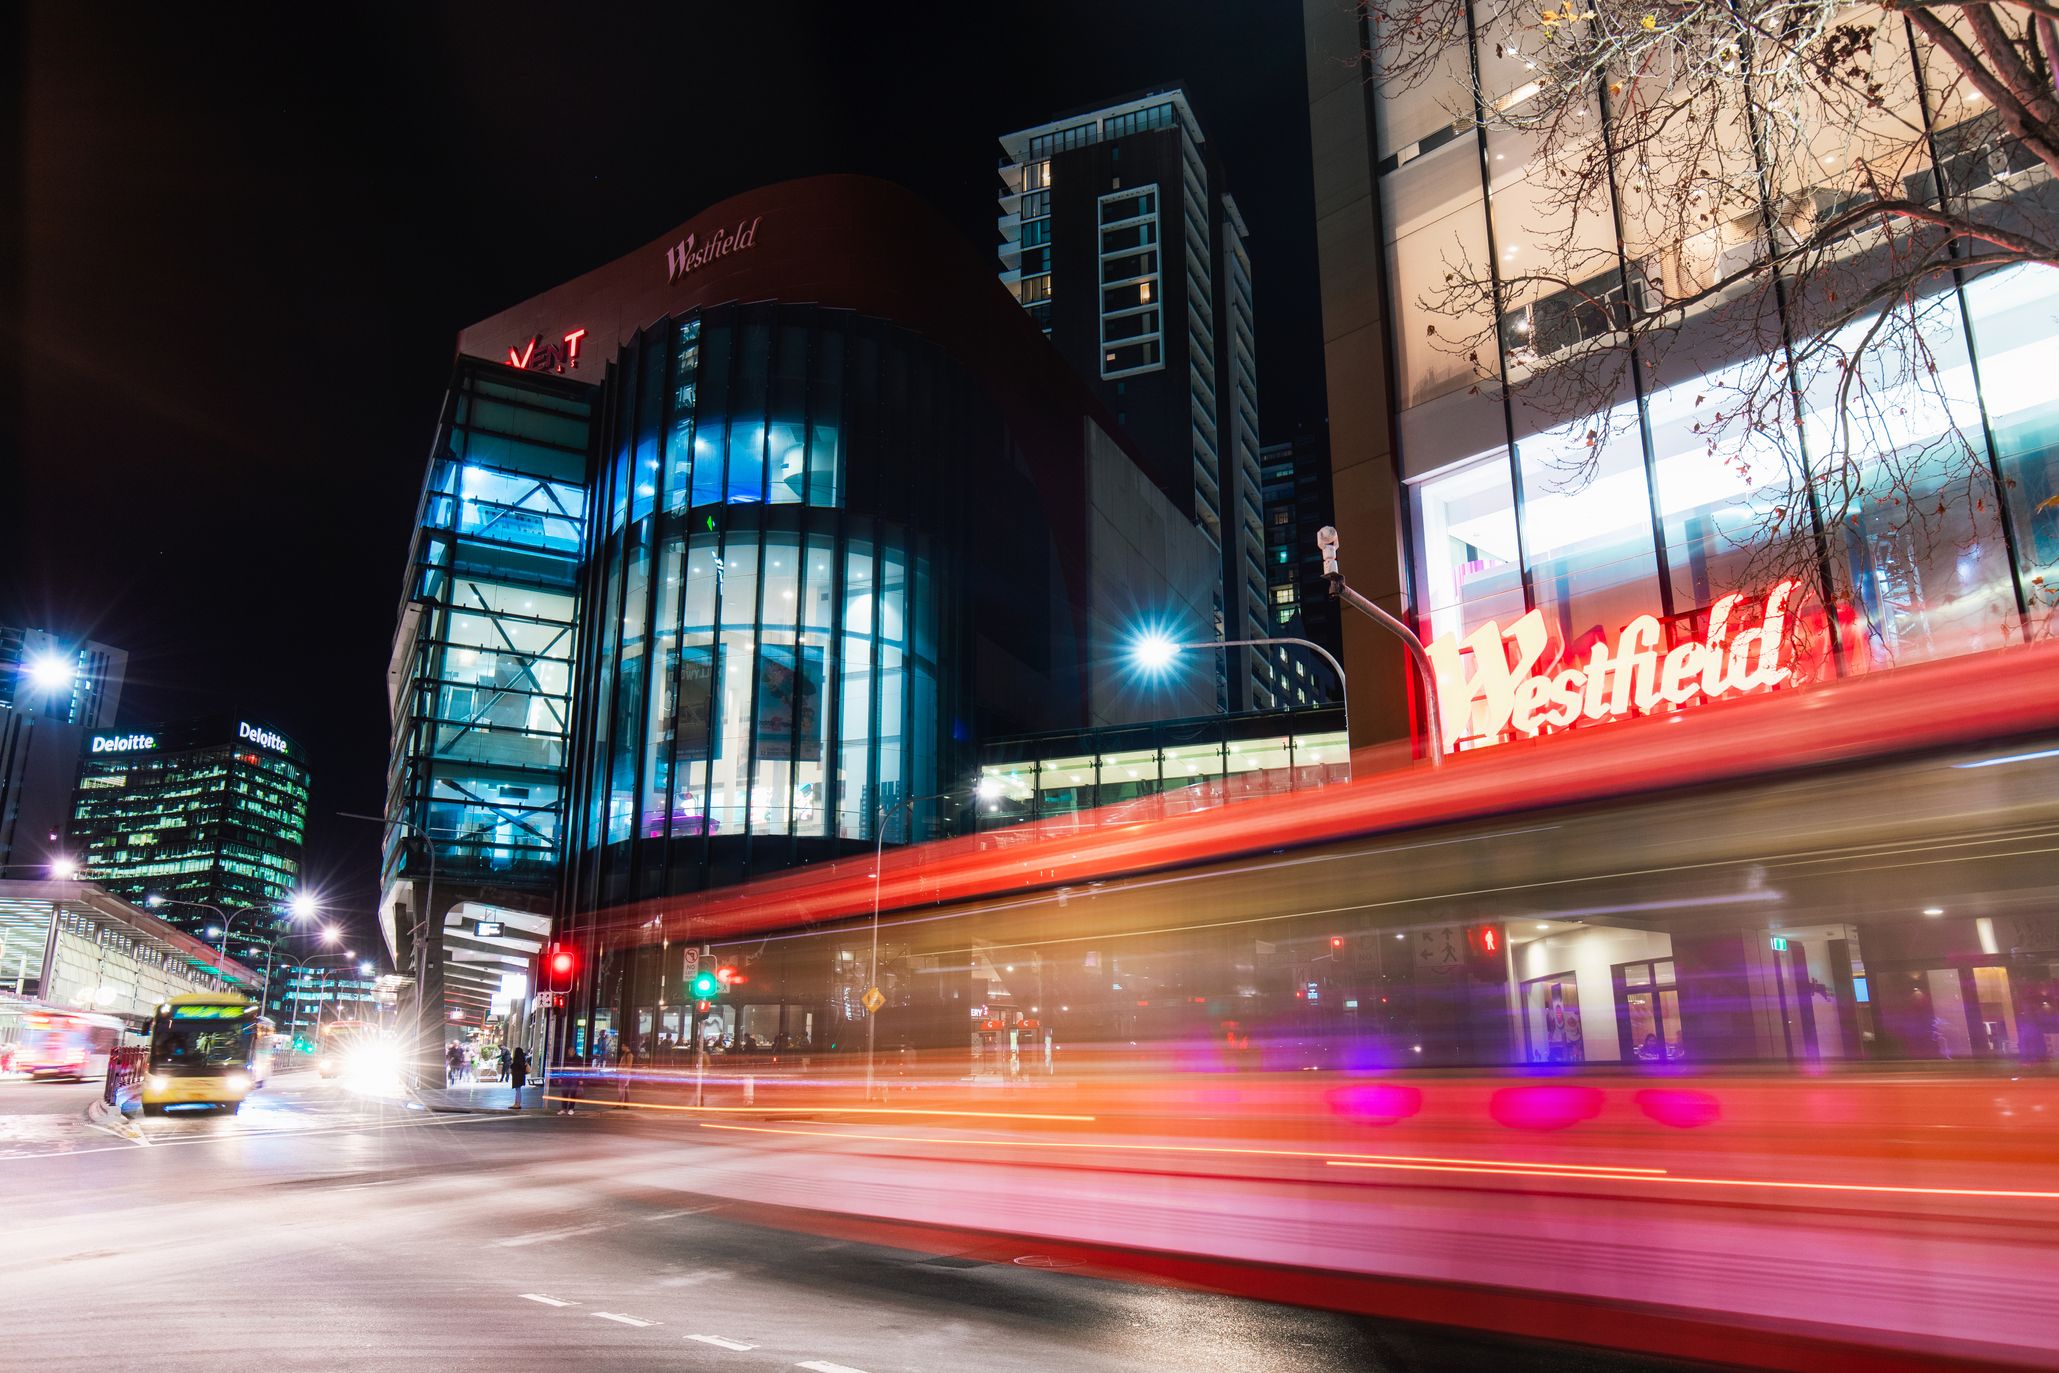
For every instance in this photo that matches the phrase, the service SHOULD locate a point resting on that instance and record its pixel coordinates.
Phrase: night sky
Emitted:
(247, 243)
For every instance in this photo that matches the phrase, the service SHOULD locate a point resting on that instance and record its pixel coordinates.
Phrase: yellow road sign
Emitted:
(874, 999)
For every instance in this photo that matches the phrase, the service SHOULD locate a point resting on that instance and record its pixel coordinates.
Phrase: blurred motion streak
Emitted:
(1761, 998)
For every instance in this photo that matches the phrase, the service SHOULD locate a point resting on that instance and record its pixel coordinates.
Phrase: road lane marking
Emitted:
(822, 1366)
(564, 1232)
(721, 1343)
(547, 1301)
(690, 1211)
(625, 1320)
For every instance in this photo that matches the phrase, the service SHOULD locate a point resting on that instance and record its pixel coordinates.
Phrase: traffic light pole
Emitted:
(1326, 544)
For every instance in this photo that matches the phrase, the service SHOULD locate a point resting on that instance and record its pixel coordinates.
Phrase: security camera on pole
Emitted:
(1326, 543)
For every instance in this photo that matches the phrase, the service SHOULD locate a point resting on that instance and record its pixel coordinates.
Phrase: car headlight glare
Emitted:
(159, 1082)
(238, 1082)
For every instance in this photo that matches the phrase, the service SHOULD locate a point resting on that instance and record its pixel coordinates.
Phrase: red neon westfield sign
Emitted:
(1489, 684)
(538, 356)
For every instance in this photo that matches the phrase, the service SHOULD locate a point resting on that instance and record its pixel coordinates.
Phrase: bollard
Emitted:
(750, 1091)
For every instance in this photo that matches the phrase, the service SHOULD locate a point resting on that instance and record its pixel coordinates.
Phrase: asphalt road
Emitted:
(319, 1230)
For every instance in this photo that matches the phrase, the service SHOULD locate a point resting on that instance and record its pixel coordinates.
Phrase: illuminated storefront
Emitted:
(1911, 504)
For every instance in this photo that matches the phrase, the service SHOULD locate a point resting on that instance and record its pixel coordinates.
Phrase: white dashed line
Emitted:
(631, 1320)
(545, 1236)
(721, 1343)
(821, 1367)
(547, 1301)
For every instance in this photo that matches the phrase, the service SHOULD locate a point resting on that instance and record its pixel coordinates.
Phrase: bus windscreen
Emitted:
(199, 1043)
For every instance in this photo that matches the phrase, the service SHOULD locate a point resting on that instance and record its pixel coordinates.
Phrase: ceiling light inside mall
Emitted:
(1933, 910)
(51, 671)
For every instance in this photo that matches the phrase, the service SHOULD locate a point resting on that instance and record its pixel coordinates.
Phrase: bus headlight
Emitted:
(237, 1082)
(159, 1082)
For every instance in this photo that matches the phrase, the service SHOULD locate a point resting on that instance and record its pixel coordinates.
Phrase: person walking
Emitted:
(518, 1074)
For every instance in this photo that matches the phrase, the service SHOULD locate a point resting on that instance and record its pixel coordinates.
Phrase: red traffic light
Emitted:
(1336, 941)
(561, 961)
(1484, 951)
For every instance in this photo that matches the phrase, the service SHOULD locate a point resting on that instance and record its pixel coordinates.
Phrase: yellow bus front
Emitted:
(202, 1053)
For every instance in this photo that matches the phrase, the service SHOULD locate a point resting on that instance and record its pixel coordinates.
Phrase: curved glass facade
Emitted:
(760, 670)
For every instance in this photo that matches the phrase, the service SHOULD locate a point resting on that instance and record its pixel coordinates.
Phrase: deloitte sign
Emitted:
(123, 743)
(263, 738)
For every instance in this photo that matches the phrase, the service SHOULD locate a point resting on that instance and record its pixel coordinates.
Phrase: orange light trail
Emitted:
(819, 1110)
(1572, 1170)
(1595, 1172)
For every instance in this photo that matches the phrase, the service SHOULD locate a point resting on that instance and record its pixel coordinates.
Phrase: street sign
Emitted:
(874, 999)
(489, 929)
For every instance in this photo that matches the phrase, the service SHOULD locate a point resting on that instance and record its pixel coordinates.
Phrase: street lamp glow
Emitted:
(51, 672)
(153, 901)
(987, 788)
(364, 969)
(304, 906)
(330, 934)
(214, 931)
(64, 869)
(1154, 651)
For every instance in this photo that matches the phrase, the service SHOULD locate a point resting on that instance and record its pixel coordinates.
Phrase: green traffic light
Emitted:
(706, 986)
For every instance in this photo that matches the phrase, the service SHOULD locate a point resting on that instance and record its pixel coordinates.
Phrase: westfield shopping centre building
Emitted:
(1572, 566)
(737, 547)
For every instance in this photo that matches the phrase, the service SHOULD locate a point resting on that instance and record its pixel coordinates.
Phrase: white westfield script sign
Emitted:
(1489, 683)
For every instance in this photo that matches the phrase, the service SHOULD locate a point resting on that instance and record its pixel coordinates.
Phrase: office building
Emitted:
(1120, 239)
(201, 821)
(1298, 601)
(53, 692)
(732, 551)
(1912, 510)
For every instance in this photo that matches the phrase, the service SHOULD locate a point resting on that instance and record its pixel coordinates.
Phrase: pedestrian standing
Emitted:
(518, 1074)
(625, 1069)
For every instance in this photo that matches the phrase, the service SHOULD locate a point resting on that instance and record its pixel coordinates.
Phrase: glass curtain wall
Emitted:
(763, 663)
(1514, 509)
(482, 711)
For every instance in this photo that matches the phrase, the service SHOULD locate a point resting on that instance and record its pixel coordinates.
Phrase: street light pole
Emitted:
(1326, 543)
(1156, 652)
(907, 803)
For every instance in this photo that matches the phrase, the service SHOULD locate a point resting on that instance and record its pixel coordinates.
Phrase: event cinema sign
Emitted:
(1489, 683)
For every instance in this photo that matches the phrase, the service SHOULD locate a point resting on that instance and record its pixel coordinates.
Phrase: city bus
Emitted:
(206, 1050)
(53, 1043)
